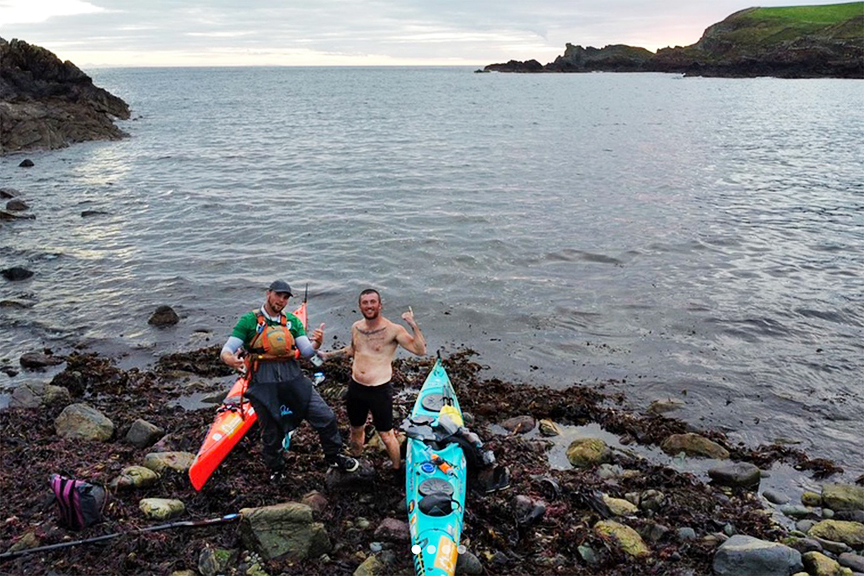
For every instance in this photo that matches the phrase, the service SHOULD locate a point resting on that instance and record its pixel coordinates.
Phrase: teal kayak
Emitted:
(435, 476)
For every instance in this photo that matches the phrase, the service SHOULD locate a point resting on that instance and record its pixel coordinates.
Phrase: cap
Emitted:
(280, 286)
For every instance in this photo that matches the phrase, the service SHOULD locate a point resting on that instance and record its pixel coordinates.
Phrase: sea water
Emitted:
(692, 238)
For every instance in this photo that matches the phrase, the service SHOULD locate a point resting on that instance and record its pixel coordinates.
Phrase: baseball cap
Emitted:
(280, 286)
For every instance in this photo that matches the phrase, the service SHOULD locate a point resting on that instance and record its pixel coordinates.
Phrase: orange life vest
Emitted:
(272, 342)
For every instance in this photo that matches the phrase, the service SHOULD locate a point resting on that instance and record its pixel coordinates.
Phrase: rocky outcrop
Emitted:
(46, 103)
(752, 42)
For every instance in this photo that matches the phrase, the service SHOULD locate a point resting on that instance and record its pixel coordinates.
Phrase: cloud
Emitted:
(35, 11)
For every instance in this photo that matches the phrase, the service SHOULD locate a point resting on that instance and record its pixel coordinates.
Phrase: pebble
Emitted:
(775, 497)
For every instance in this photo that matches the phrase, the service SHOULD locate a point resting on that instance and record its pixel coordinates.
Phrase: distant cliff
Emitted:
(791, 42)
(46, 103)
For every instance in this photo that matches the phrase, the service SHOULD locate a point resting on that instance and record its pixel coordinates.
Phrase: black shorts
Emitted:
(360, 400)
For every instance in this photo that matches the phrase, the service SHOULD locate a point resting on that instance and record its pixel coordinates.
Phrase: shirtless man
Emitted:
(374, 341)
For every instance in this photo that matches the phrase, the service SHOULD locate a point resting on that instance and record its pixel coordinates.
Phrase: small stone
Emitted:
(163, 316)
(853, 561)
(587, 554)
(587, 452)
(686, 533)
(693, 445)
(17, 205)
(736, 475)
(549, 428)
(664, 406)
(26, 163)
(818, 564)
(161, 508)
(519, 424)
(619, 506)
(469, 564)
(16, 273)
(627, 539)
(38, 360)
(775, 497)
(143, 434)
(811, 499)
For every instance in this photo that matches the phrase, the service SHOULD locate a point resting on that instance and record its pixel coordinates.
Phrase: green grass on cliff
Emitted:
(771, 25)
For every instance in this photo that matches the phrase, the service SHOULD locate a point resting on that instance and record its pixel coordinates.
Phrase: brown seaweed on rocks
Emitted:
(561, 540)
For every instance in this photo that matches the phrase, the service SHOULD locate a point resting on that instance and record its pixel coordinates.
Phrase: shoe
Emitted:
(277, 477)
(343, 463)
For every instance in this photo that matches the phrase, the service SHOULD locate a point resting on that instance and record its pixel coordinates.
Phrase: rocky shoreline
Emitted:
(609, 512)
(47, 104)
(744, 45)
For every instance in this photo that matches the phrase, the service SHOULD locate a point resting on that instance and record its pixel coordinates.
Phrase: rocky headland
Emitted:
(603, 510)
(796, 42)
(47, 104)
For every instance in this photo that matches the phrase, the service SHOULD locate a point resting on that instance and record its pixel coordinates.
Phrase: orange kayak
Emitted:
(233, 419)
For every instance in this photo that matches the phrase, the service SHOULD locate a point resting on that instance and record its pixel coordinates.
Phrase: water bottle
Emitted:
(317, 378)
(316, 360)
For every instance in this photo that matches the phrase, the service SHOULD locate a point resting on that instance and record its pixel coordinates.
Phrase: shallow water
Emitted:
(688, 238)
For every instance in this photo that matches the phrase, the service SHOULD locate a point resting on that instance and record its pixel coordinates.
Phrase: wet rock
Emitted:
(850, 515)
(135, 477)
(686, 534)
(6, 193)
(665, 405)
(747, 555)
(283, 530)
(176, 461)
(16, 304)
(619, 506)
(804, 525)
(213, 561)
(16, 273)
(651, 500)
(34, 394)
(25, 542)
(161, 508)
(796, 511)
(817, 564)
(850, 533)
(372, 566)
(775, 497)
(17, 205)
(653, 532)
(843, 496)
(811, 499)
(26, 163)
(83, 422)
(519, 424)
(803, 544)
(549, 428)
(627, 539)
(587, 554)
(163, 316)
(832, 546)
(853, 561)
(587, 452)
(4, 215)
(393, 530)
(693, 445)
(736, 475)
(39, 360)
(469, 564)
(91, 213)
(143, 434)
(316, 501)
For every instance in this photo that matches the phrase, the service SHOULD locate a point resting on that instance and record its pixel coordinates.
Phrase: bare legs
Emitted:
(391, 443)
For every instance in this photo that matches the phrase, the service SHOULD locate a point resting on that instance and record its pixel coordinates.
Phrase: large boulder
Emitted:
(747, 555)
(843, 496)
(693, 445)
(83, 422)
(850, 533)
(46, 103)
(285, 529)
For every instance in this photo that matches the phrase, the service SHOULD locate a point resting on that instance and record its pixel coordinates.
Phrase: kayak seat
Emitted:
(438, 504)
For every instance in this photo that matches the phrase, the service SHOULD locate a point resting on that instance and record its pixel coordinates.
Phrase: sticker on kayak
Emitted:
(447, 554)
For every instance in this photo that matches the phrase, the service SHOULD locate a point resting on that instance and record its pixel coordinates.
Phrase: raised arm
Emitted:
(415, 343)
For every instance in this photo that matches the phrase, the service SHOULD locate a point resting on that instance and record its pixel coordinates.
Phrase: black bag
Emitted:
(80, 503)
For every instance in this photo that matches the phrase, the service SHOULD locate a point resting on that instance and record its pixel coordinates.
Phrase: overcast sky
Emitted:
(351, 32)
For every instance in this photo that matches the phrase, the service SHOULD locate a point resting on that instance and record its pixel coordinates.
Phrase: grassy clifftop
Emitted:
(792, 41)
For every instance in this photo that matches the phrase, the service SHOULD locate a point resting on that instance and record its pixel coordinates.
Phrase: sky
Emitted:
(123, 33)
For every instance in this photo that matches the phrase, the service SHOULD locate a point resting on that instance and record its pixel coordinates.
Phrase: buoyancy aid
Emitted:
(272, 342)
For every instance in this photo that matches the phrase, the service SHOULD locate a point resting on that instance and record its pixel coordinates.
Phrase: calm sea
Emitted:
(700, 239)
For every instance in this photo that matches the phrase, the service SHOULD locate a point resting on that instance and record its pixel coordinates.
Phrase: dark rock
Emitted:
(163, 316)
(519, 424)
(10, 216)
(143, 434)
(747, 555)
(16, 273)
(17, 205)
(393, 530)
(775, 497)
(6, 193)
(39, 360)
(46, 103)
(736, 475)
(26, 163)
(468, 564)
(853, 561)
(527, 511)
(89, 213)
